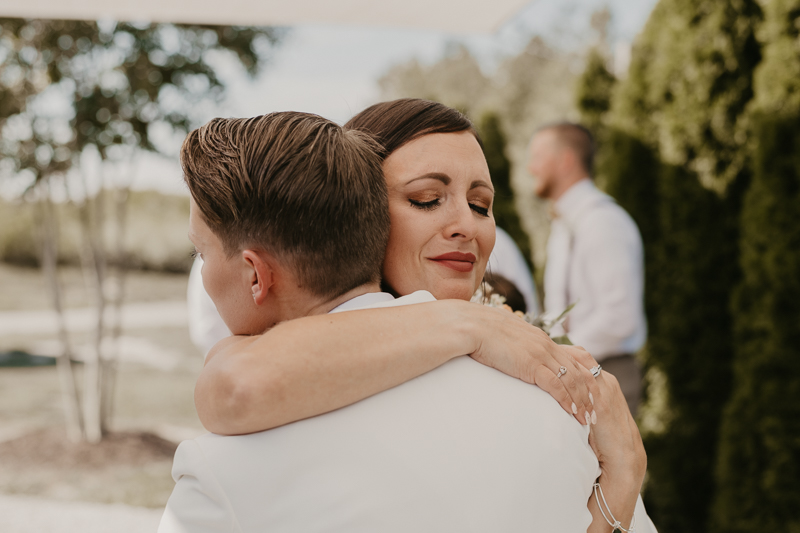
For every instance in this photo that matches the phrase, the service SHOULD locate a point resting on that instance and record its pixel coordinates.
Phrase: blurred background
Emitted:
(696, 109)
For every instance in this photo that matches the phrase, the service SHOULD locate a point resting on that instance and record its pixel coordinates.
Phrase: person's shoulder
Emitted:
(604, 213)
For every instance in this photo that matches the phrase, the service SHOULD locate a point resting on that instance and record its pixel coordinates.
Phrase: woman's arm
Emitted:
(313, 365)
(617, 443)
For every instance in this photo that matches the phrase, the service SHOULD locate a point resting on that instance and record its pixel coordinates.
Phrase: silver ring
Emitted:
(561, 371)
(595, 370)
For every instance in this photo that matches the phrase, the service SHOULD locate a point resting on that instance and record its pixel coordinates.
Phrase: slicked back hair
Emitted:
(395, 123)
(577, 138)
(297, 186)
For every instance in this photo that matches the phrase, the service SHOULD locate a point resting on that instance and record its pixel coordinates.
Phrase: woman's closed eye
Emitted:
(431, 204)
(482, 211)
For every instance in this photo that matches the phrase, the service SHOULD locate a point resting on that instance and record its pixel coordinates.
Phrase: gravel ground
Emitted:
(26, 514)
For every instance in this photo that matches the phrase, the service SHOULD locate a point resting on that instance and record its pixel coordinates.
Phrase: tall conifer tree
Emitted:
(675, 160)
(759, 462)
(504, 208)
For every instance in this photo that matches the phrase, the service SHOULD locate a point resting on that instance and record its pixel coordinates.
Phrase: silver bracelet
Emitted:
(613, 522)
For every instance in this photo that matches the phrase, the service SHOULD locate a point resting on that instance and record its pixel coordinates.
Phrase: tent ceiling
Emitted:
(453, 16)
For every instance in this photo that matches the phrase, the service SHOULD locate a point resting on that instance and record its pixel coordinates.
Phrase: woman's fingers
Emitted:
(525, 352)
(545, 379)
(578, 383)
(584, 361)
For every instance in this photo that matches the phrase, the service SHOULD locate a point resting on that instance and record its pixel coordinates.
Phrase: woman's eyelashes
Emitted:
(482, 211)
(433, 204)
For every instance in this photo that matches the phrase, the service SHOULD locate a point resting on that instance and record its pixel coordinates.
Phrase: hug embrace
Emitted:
(361, 391)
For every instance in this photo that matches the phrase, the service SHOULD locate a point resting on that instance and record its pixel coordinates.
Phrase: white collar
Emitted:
(365, 300)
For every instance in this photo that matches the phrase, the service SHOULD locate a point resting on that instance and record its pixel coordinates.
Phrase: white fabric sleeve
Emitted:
(614, 269)
(643, 522)
(198, 503)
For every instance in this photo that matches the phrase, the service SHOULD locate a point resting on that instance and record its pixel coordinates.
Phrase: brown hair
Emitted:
(295, 185)
(577, 138)
(398, 122)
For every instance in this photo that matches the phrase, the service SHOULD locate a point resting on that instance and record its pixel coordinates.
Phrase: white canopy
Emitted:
(453, 16)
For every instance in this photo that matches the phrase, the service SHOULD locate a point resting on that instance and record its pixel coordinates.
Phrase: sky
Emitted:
(333, 70)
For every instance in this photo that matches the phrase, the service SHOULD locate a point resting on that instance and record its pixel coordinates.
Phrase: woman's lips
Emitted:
(458, 261)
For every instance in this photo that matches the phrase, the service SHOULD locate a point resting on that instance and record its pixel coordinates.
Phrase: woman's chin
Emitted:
(453, 291)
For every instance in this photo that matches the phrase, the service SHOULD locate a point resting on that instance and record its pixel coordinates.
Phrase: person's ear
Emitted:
(262, 273)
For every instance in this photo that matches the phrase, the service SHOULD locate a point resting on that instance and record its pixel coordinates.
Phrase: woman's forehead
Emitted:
(456, 155)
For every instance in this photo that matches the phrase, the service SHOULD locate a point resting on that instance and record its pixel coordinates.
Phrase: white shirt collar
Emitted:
(365, 300)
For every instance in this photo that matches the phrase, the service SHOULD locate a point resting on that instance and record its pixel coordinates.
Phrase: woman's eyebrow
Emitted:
(438, 176)
(480, 183)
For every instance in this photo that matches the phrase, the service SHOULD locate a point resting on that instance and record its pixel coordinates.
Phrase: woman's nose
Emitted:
(461, 223)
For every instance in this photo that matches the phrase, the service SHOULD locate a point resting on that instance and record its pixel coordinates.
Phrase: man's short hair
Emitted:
(577, 138)
(297, 186)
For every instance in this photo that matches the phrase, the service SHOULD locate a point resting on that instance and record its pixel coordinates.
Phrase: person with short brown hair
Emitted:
(297, 186)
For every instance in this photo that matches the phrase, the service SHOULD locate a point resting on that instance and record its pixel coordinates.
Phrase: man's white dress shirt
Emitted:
(462, 448)
(507, 260)
(595, 258)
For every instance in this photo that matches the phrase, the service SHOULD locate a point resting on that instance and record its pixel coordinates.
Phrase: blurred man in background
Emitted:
(594, 256)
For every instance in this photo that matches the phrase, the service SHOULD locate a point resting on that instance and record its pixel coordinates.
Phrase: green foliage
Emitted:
(759, 463)
(504, 208)
(674, 157)
(690, 81)
(594, 90)
(693, 268)
(759, 453)
(117, 80)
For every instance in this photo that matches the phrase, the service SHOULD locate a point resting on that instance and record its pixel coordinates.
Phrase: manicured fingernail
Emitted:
(594, 417)
(591, 398)
(586, 415)
(574, 409)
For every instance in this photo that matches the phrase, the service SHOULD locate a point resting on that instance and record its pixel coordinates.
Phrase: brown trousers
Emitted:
(626, 369)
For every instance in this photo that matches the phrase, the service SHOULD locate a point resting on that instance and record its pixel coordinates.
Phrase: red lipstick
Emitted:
(458, 261)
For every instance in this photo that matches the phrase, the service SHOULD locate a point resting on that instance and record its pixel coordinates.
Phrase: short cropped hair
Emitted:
(397, 122)
(297, 186)
(577, 138)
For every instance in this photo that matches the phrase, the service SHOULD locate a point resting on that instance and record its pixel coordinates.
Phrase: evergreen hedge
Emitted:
(674, 157)
(504, 208)
(759, 452)
(759, 463)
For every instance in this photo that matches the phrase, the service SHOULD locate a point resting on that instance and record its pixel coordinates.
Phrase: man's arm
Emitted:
(198, 503)
(313, 365)
(611, 250)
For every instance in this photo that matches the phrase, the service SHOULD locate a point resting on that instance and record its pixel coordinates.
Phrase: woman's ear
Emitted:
(261, 273)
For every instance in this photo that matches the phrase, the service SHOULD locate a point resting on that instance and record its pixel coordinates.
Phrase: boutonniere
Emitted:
(485, 295)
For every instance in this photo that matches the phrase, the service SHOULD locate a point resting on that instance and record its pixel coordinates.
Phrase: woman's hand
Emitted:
(507, 343)
(617, 443)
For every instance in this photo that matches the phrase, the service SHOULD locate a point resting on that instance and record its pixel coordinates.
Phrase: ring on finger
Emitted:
(595, 370)
(561, 371)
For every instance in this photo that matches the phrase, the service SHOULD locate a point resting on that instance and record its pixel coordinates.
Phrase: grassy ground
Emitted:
(148, 399)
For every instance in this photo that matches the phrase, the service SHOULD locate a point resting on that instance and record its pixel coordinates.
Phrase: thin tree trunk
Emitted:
(94, 260)
(121, 259)
(49, 240)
